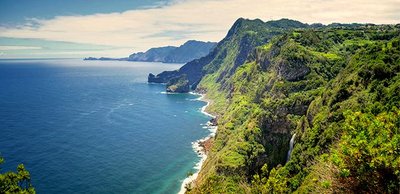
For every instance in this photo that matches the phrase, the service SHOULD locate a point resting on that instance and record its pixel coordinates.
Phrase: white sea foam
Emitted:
(164, 92)
(202, 155)
(203, 109)
(199, 149)
(151, 83)
(213, 130)
(196, 99)
(196, 94)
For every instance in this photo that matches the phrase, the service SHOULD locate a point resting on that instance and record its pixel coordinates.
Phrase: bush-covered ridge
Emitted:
(336, 88)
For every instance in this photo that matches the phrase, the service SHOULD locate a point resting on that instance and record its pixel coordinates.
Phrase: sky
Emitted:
(117, 28)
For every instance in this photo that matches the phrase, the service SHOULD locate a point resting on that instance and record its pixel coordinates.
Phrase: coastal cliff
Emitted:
(178, 84)
(229, 53)
(336, 87)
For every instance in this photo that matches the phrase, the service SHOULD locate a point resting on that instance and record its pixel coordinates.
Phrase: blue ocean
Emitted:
(97, 126)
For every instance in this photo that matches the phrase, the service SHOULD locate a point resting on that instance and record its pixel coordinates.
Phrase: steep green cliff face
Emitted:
(336, 87)
(179, 84)
(229, 53)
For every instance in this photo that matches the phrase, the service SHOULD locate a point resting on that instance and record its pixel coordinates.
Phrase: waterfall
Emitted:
(291, 143)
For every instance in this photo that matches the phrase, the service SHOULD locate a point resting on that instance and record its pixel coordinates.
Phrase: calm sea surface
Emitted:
(96, 126)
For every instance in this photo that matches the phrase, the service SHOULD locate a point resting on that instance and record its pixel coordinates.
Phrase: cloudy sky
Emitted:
(116, 28)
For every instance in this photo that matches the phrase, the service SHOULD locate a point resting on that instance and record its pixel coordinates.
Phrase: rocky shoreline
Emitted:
(202, 146)
(206, 145)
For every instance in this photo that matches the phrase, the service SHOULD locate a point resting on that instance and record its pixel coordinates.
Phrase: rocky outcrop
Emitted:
(293, 71)
(213, 122)
(178, 84)
(163, 77)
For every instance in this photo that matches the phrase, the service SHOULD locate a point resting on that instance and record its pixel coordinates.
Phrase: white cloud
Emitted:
(10, 48)
(175, 23)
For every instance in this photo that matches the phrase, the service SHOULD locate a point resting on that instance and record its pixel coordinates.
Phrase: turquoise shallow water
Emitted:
(96, 127)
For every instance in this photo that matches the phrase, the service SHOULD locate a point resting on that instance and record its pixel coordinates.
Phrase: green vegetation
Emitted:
(19, 182)
(338, 89)
(178, 84)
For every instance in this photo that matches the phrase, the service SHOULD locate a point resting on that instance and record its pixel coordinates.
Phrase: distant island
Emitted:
(189, 51)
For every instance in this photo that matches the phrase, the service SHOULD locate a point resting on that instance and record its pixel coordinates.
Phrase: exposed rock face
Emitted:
(206, 145)
(178, 84)
(293, 71)
(214, 122)
(259, 56)
(247, 43)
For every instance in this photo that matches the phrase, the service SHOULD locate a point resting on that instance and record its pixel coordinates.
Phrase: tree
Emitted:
(19, 182)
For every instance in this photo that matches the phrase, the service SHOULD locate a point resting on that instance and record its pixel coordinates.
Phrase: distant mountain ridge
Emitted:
(189, 51)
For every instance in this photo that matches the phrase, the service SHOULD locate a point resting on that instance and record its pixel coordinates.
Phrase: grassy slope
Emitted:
(350, 79)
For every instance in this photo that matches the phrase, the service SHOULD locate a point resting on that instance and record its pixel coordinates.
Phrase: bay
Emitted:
(97, 126)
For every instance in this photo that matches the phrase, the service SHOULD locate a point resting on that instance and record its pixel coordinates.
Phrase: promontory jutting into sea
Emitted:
(193, 97)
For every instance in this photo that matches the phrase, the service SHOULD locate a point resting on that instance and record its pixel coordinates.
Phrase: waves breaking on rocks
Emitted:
(198, 147)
